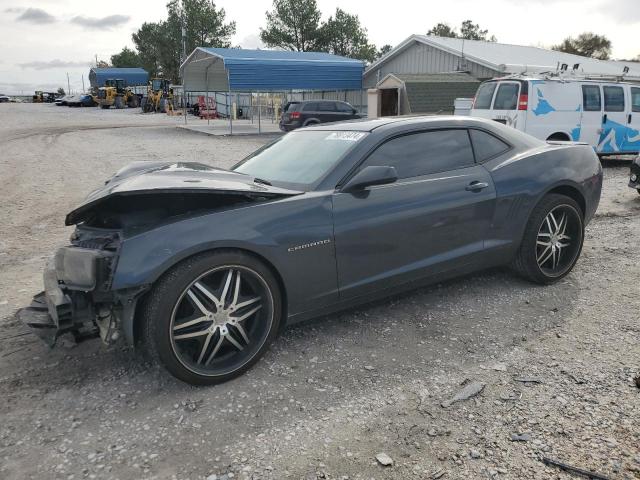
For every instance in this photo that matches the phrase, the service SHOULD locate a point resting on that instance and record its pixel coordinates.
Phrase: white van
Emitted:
(601, 113)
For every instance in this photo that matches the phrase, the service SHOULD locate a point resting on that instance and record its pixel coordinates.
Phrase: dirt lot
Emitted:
(557, 363)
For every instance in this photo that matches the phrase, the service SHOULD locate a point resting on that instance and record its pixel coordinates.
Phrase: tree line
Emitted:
(294, 25)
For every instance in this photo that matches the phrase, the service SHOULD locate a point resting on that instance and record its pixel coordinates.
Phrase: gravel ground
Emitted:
(552, 368)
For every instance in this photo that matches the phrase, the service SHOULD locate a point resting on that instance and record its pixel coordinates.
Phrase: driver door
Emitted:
(434, 218)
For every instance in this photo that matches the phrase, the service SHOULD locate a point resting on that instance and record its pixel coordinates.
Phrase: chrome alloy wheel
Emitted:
(559, 240)
(221, 320)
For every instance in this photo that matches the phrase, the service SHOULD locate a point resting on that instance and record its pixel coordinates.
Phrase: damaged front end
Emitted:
(77, 296)
(81, 292)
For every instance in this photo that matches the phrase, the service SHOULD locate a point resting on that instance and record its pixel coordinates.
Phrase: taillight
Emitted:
(523, 102)
(294, 115)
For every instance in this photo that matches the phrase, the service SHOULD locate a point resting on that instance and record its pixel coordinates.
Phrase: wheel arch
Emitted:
(132, 326)
(571, 192)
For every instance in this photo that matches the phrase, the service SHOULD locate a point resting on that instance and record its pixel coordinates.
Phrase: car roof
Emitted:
(369, 125)
(320, 100)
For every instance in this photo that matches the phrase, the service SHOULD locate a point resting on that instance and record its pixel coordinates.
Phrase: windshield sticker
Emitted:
(345, 136)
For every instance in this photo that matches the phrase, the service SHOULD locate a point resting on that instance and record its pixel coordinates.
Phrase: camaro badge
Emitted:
(308, 245)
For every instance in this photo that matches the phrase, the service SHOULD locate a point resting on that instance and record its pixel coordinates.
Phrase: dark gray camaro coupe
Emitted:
(203, 266)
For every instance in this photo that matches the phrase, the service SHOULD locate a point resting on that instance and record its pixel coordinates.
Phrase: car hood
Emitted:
(166, 178)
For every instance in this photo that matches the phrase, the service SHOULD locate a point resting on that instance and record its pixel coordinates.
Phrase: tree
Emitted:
(292, 25)
(342, 34)
(125, 59)
(148, 40)
(586, 44)
(61, 91)
(102, 64)
(443, 30)
(468, 31)
(159, 45)
(384, 50)
(472, 31)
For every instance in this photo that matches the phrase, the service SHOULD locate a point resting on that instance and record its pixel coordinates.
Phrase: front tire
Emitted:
(552, 240)
(212, 317)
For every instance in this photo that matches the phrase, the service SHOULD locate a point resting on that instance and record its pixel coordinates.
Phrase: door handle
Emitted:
(476, 186)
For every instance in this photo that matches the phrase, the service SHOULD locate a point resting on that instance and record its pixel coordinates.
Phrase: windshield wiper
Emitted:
(262, 181)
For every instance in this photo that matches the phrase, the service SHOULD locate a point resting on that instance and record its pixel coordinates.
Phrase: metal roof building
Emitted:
(132, 76)
(420, 54)
(240, 70)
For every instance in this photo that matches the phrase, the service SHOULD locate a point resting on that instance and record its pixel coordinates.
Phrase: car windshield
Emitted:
(299, 159)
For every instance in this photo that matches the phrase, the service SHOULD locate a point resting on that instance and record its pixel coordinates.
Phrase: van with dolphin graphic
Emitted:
(604, 114)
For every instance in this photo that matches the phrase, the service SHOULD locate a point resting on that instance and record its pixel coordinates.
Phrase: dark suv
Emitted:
(311, 112)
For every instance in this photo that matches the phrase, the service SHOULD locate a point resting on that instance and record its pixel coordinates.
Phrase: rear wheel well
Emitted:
(137, 325)
(561, 136)
(571, 192)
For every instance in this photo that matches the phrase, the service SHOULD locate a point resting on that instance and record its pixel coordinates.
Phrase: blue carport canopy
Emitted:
(131, 76)
(239, 70)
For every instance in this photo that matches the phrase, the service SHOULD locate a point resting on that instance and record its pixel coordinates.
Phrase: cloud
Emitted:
(100, 23)
(33, 15)
(56, 63)
(251, 41)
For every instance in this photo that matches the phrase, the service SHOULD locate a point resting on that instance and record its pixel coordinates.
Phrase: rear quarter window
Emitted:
(484, 95)
(310, 107)
(486, 146)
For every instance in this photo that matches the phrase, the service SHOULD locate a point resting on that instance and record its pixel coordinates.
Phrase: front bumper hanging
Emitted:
(55, 312)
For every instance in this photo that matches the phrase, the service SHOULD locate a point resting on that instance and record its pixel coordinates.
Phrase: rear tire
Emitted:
(552, 240)
(211, 317)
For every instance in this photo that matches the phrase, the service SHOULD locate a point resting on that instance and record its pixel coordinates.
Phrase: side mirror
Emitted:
(370, 176)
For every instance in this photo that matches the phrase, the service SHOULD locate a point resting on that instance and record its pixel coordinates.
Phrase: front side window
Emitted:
(484, 95)
(301, 158)
(591, 101)
(507, 97)
(635, 99)
(424, 153)
(613, 99)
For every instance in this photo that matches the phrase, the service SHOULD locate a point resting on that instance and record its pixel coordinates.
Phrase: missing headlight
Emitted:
(77, 267)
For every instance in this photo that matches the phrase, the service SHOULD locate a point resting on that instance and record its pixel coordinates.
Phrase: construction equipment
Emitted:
(159, 96)
(115, 93)
(44, 97)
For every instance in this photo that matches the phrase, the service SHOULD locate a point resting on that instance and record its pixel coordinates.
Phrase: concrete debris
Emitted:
(524, 437)
(384, 459)
(470, 390)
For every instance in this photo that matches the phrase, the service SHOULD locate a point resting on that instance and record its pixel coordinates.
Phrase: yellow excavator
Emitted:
(159, 96)
(116, 94)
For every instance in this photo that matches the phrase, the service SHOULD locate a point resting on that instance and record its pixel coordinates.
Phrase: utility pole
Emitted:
(68, 85)
(83, 83)
(184, 35)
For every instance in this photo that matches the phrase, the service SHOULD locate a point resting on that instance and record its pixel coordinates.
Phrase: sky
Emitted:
(41, 41)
